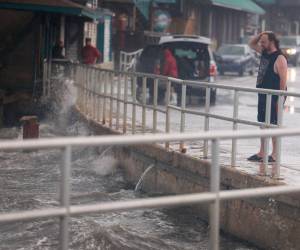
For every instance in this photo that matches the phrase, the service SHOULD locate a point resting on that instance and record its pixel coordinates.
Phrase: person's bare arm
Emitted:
(253, 43)
(281, 69)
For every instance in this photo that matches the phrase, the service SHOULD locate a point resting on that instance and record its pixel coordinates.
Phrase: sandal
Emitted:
(271, 159)
(254, 157)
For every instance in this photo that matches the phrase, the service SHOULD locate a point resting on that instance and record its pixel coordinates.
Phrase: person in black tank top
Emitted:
(272, 74)
(267, 79)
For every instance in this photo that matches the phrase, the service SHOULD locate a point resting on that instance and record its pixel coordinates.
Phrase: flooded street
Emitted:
(30, 180)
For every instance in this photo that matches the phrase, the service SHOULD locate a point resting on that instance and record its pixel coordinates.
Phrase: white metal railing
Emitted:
(214, 197)
(106, 96)
(128, 60)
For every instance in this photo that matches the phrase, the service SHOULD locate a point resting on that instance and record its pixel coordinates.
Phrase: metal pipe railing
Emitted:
(128, 60)
(158, 202)
(167, 100)
(65, 197)
(214, 197)
(234, 127)
(119, 93)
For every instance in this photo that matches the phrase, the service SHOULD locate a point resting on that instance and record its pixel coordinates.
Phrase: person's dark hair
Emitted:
(88, 39)
(273, 38)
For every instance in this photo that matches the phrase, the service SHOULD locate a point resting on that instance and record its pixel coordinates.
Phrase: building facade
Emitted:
(30, 29)
(282, 16)
(222, 21)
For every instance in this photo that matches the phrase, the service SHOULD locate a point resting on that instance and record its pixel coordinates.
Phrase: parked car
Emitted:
(236, 58)
(194, 62)
(290, 47)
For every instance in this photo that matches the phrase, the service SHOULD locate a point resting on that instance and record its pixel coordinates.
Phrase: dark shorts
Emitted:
(261, 109)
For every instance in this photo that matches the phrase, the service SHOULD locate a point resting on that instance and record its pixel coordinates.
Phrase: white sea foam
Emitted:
(105, 165)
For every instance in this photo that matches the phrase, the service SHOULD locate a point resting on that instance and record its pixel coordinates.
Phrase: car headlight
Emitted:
(291, 51)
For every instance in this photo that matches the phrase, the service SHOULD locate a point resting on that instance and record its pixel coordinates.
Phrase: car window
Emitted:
(288, 41)
(191, 54)
(231, 50)
(192, 59)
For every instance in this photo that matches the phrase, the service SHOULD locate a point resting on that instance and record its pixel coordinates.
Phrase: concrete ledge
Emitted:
(269, 223)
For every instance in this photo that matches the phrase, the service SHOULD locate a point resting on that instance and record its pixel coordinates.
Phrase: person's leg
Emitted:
(261, 118)
(274, 143)
(261, 150)
(274, 120)
(258, 156)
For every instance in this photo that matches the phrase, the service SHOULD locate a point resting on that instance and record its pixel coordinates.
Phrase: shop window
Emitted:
(90, 30)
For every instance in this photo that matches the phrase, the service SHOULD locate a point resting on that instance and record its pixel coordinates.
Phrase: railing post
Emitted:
(120, 61)
(90, 89)
(111, 82)
(98, 92)
(93, 89)
(206, 120)
(276, 171)
(86, 110)
(266, 140)
(125, 105)
(144, 100)
(234, 127)
(65, 198)
(79, 86)
(155, 96)
(88, 83)
(168, 93)
(49, 75)
(214, 209)
(182, 117)
(134, 104)
(100, 89)
(118, 101)
(44, 77)
(76, 83)
(83, 88)
(105, 78)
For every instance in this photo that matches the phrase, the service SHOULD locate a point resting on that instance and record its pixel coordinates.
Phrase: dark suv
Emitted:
(194, 62)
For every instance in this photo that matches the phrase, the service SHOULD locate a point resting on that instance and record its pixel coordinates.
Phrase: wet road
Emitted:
(248, 109)
(290, 170)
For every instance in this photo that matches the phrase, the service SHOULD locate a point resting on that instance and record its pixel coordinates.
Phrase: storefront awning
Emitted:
(53, 6)
(242, 5)
(144, 5)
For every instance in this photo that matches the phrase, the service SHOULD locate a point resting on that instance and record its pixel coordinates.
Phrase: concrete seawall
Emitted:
(269, 223)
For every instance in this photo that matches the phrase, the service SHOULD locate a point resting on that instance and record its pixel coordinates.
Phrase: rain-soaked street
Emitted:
(290, 168)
